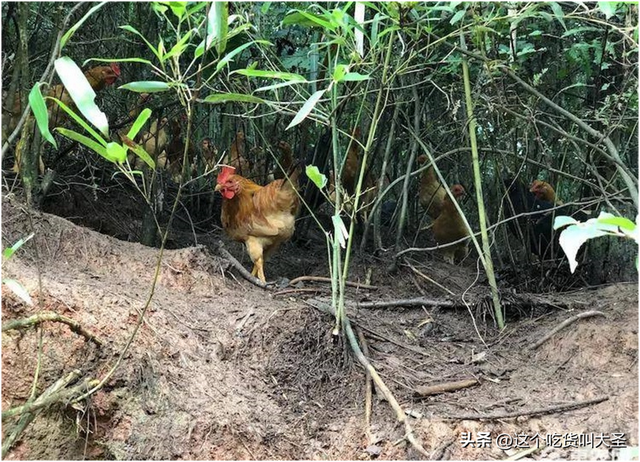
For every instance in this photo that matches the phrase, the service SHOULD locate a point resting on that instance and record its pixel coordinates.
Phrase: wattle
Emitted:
(228, 194)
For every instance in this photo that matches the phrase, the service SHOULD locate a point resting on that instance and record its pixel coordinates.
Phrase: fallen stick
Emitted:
(408, 302)
(51, 317)
(586, 314)
(446, 387)
(544, 410)
(323, 279)
(297, 291)
(241, 269)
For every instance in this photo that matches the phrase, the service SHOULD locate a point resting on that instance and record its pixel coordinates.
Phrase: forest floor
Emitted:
(221, 369)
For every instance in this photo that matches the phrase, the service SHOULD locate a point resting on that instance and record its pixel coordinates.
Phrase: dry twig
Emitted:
(555, 330)
(328, 280)
(540, 411)
(446, 387)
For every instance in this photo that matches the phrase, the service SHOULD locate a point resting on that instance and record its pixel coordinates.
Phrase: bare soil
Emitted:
(221, 369)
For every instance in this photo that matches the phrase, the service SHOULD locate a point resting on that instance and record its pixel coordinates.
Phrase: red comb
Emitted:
(115, 67)
(224, 175)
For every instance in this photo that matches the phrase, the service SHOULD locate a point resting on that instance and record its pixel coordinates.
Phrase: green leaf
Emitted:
(134, 31)
(9, 251)
(303, 18)
(374, 30)
(79, 121)
(571, 239)
(227, 59)
(355, 77)
(340, 230)
(306, 109)
(88, 142)
(458, 16)
(117, 152)
(621, 222)
(19, 290)
(147, 86)
(270, 75)
(39, 108)
(81, 93)
(339, 72)
(562, 221)
(139, 123)
(115, 60)
(220, 98)
(178, 7)
(276, 86)
(218, 26)
(141, 153)
(608, 8)
(319, 179)
(179, 47)
(65, 38)
(559, 14)
(265, 7)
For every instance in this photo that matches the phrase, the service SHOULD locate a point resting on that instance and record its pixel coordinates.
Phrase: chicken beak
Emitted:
(218, 188)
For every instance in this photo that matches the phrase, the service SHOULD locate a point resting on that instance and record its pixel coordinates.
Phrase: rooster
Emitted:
(536, 207)
(544, 191)
(450, 227)
(263, 217)
(432, 193)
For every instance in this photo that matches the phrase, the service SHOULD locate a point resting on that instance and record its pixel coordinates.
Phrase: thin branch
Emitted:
(324, 279)
(540, 411)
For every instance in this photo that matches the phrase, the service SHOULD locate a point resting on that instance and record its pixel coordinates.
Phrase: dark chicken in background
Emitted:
(535, 227)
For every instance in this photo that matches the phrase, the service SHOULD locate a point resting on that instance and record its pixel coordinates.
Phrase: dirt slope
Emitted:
(223, 370)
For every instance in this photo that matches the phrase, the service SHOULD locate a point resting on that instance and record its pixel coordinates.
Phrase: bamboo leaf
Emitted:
(306, 109)
(86, 141)
(19, 290)
(39, 108)
(220, 98)
(139, 123)
(270, 75)
(147, 86)
(9, 251)
(81, 93)
(79, 121)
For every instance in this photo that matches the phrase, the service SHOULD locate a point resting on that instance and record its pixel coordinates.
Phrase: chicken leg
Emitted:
(254, 249)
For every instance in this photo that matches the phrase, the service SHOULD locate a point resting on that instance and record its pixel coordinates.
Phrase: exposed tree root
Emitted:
(59, 396)
(380, 385)
(27, 418)
(38, 318)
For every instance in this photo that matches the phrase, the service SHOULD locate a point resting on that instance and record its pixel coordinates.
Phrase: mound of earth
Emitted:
(221, 369)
